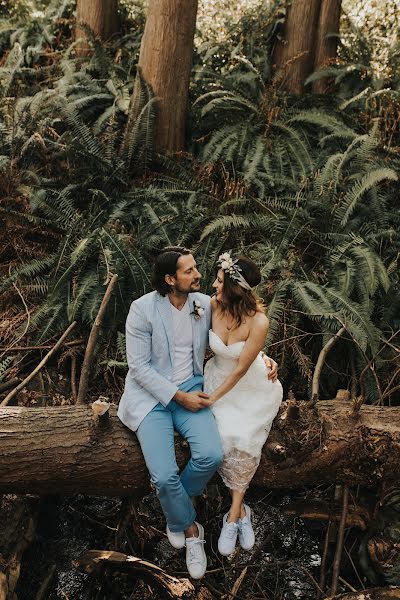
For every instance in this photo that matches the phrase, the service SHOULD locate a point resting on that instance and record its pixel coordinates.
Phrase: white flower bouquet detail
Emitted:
(198, 310)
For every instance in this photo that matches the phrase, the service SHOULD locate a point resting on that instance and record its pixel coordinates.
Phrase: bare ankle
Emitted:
(192, 531)
(233, 516)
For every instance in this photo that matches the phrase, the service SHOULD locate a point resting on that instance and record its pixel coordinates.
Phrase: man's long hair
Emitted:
(165, 264)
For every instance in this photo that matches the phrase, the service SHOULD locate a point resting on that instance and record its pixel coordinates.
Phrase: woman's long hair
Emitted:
(237, 301)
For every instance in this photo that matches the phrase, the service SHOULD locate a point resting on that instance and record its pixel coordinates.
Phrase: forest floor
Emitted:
(284, 563)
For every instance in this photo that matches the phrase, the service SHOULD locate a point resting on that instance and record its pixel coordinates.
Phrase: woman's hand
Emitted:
(271, 364)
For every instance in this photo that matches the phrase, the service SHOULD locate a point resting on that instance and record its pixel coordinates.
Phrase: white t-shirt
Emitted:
(183, 360)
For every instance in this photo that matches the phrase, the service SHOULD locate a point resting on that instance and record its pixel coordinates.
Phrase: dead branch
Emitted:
(357, 516)
(45, 347)
(95, 560)
(27, 379)
(6, 385)
(86, 366)
(74, 390)
(340, 541)
(321, 360)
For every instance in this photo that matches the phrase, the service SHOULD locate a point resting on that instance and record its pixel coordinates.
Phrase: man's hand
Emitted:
(271, 364)
(192, 401)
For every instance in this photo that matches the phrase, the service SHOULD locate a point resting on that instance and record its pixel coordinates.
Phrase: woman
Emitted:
(244, 401)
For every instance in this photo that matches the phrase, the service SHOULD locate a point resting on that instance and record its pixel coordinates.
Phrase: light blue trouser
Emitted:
(156, 438)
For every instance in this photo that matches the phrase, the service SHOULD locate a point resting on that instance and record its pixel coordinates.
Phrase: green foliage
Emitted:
(311, 199)
(307, 188)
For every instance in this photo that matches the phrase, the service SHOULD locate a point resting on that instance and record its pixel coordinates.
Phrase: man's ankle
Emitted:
(192, 531)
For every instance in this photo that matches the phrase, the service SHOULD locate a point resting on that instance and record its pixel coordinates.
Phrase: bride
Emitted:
(244, 401)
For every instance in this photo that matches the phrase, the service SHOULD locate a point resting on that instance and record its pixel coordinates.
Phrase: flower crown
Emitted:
(230, 266)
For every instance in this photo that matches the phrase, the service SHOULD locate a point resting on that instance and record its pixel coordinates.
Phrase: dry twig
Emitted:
(27, 379)
(84, 379)
(340, 540)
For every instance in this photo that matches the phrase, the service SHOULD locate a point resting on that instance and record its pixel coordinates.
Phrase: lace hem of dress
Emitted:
(238, 468)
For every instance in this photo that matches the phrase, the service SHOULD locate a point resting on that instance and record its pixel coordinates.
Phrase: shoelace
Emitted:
(243, 526)
(194, 550)
(232, 529)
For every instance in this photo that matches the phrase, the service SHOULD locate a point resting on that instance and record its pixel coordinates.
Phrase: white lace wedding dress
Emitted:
(244, 415)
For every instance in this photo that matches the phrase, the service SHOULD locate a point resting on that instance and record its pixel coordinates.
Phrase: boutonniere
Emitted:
(198, 310)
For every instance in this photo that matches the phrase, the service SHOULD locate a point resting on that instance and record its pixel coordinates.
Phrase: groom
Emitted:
(166, 340)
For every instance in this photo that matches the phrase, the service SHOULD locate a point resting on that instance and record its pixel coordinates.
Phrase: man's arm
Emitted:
(138, 350)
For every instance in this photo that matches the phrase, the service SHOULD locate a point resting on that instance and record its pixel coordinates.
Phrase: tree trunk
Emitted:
(293, 56)
(101, 16)
(66, 450)
(325, 53)
(165, 62)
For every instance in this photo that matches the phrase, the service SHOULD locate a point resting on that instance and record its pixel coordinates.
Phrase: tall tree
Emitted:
(101, 16)
(326, 50)
(306, 45)
(293, 56)
(165, 62)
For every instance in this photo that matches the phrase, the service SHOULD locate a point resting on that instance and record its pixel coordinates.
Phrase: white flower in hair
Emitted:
(227, 264)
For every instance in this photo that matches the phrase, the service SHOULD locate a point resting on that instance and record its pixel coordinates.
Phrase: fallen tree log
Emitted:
(68, 449)
(95, 560)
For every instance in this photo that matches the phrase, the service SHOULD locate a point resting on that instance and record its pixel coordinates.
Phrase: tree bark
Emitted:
(293, 56)
(67, 450)
(165, 62)
(101, 16)
(326, 50)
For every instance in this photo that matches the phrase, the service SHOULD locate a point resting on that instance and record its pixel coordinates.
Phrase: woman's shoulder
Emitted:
(259, 320)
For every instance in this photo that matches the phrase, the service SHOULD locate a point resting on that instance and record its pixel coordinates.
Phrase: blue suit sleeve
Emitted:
(138, 349)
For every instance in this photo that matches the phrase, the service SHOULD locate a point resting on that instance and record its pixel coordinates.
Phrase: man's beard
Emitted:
(194, 287)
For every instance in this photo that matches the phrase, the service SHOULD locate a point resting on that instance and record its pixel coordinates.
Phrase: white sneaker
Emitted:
(227, 537)
(246, 533)
(176, 538)
(196, 559)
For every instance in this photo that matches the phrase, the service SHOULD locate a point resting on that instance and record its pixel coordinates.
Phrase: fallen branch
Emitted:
(86, 366)
(27, 379)
(237, 584)
(6, 385)
(95, 560)
(45, 347)
(357, 516)
(321, 360)
(340, 541)
(46, 583)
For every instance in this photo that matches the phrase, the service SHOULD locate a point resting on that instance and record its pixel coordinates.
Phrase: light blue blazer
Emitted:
(150, 347)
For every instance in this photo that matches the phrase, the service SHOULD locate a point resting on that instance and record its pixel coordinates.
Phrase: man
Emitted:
(166, 340)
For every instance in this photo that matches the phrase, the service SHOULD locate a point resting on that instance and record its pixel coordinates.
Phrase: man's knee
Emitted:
(165, 481)
(211, 458)
(218, 456)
